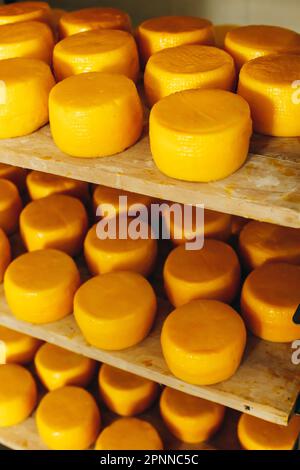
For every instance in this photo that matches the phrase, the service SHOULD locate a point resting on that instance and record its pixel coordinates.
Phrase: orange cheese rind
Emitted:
(5, 253)
(24, 11)
(19, 348)
(104, 197)
(41, 185)
(14, 174)
(10, 207)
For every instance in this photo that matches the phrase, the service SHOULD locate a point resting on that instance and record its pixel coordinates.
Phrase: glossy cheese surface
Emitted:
(57, 221)
(18, 394)
(57, 367)
(24, 11)
(18, 348)
(270, 297)
(190, 419)
(248, 42)
(14, 174)
(40, 286)
(5, 253)
(124, 393)
(22, 77)
(187, 67)
(269, 85)
(31, 39)
(95, 114)
(196, 348)
(260, 242)
(163, 32)
(68, 419)
(121, 316)
(93, 18)
(192, 138)
(41, 185)
(10, 207)
(111, 51)
(210, 273)
(129, 434)
(104, 197)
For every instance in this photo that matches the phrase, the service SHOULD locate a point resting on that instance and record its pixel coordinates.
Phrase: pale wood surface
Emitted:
(266, 188)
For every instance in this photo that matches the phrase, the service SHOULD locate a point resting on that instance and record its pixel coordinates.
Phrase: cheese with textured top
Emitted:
(10, 207)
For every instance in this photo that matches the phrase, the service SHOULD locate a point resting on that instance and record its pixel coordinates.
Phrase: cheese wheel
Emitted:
(257, 434)
(10, 206)
(41, 185)
(95, 114)
(124, 393)
(190, 419)
(237, 225)
(118, 254)
(260, 242)
(210, 273)
(186, 67)
(105, 197)
(14, 174)
(40, 286)
(68, 419)
(30, 39)
(220, 31)
(266, 83)
(163, 32)
(18, 394)
(88, 19)
(248, 42)
(18, 348)
(5, 253)
(270, 297)
(129, 434)
(57, 367)
(203, 342)
(108, 50)
(24, 11)
(56, 221)
(23, 77)
(200, 146)
(121, 316)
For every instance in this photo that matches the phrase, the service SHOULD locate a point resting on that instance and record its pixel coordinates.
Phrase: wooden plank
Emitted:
(266, 385)
(266, 188)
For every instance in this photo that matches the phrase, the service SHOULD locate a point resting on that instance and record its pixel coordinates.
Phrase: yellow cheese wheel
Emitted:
(270, 297)
(14, 174)
(163, 32)
(24, 11)
(5, 253)
(203, 342)
(190, 419)
(95, 114)
(57, 367)
(186, 67)
(40, 286)
(104, 196)
(121, 316)
(18, 348)
(248, 42)
(210, 273)
(124, 393)
(118, 254)
(238, 223)
(41, 185)
(18, 394)
(194, 145)
(129, 434)
(109, 50)
(260, 242)
(220, 31)
(93, 18)
(257, 434)
(30, 39)
(10, 206)
(68, 419)
(56, 221)
(23, 77)
(266, 83)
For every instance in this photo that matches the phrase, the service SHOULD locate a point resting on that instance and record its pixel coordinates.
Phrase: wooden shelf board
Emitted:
(266, 385)
(266, 188)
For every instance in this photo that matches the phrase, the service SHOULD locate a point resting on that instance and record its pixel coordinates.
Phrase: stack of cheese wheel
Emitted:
(269, 84)
(41, 185)
(25, 11)
(18, 347)
(248, 42)
(93, 18)
(10, 206)
(156, 34)
(107, 50)
(23, 77)
(110, 202)
(30, 39)
(95, 114)
(200, 146)
(186, 67)
(14, 174)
